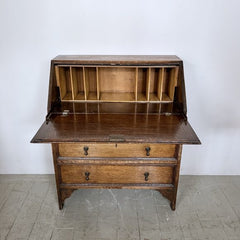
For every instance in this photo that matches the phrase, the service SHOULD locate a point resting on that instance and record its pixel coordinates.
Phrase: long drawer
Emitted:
(107, 174)
(116, 150)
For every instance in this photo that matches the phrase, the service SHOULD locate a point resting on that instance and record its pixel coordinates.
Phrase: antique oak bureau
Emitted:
(116, 122)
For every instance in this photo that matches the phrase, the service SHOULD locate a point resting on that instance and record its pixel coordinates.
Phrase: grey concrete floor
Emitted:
(208, 207)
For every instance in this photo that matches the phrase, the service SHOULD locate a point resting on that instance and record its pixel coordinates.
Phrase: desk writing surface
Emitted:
(130, 128)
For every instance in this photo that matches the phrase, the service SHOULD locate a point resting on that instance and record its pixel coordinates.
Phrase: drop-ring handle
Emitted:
(85, 150)
(148, 149)
(87, 175)
(146, 174)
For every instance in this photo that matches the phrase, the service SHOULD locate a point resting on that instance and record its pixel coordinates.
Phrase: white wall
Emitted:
(205, 34)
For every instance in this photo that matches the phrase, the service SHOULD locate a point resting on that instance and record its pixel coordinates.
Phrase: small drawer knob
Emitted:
(85, 150)
(148, 149)
(87, 175)
(146, 175)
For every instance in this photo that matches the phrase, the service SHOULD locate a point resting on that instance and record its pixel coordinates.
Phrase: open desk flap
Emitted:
(116, 128)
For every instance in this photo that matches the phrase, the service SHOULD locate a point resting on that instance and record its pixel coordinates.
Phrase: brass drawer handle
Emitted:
(87, 175)
(148, 149)
(146, 174)
(85, 150)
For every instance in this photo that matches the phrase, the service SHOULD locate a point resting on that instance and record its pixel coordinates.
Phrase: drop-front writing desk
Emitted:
(116, 122)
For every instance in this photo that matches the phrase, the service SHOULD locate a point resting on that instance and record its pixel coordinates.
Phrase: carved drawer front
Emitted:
(150, 150)
(103, 174)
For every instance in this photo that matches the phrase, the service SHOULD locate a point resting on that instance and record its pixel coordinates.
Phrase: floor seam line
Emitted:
(19, 210)
(39, 210)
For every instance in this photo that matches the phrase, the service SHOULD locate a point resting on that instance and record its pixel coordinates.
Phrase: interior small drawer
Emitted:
(107, 174)
(151, 150)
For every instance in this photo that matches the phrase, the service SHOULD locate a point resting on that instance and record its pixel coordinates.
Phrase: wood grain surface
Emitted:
(116, 150)
(100, 174)
(117, 59)
(130, 128)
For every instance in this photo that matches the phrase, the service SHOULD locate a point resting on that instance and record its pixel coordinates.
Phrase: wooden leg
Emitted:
(65, 193)
(62, 193)
(55, 154)
(60, 200)
(60, 205)
(173, 205)
(171, 194)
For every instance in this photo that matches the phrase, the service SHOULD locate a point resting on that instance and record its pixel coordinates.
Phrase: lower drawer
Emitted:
(103, 174)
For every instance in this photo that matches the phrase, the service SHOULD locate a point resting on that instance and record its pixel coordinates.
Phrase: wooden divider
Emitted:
(72, 87)
(136, 84)
(98, 86)
(148, 83)
(85, 85)
(160, 85)
(117, 84)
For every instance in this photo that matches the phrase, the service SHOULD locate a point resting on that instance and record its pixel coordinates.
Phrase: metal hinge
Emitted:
(65, 112)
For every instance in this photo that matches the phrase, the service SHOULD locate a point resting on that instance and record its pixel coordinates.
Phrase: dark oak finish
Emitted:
(116, 122)
(119, 127)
